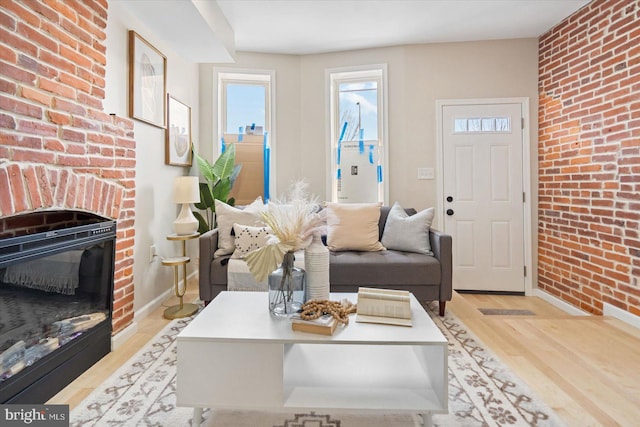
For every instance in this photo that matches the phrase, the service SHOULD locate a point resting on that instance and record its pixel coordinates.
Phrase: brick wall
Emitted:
(589, 157)
(58, 148)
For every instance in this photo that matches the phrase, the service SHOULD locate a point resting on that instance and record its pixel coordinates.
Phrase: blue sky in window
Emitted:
(366, 95)
(245, 106)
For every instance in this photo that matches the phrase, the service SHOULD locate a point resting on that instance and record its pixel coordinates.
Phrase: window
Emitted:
(485, 125)
(244, 106)
(358, 134)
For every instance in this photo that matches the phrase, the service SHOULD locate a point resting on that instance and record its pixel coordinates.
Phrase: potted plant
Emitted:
(220, 177)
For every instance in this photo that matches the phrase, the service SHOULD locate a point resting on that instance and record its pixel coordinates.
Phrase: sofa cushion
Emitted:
(409, 233)
(383, 268)
(353, 226)
(218, 270)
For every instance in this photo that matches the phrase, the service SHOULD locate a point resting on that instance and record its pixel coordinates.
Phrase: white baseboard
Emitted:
(152, 305)
(122, 336)
(625, 316)
(557, 302)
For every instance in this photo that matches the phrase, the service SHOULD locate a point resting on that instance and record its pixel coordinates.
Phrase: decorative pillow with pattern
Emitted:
(249, 238)
(227, 215)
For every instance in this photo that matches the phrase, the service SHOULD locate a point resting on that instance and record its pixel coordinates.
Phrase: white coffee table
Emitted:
(234, 355)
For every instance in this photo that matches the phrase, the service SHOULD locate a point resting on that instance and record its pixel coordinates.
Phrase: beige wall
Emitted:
(418, 75)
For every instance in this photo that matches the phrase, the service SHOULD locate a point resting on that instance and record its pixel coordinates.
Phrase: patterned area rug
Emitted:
(482, 392)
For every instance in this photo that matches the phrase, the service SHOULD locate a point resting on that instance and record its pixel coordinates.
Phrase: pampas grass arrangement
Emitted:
(293, 221)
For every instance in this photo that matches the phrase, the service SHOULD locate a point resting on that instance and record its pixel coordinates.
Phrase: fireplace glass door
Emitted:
(52, 291)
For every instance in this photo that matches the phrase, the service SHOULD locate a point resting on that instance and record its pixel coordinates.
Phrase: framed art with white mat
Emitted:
(178, 133)
(147, 81)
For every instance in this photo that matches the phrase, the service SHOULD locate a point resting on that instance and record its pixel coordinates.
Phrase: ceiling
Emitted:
(212, 31)
(315, 26)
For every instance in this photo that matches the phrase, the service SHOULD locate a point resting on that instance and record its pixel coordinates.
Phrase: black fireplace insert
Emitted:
(56, 304)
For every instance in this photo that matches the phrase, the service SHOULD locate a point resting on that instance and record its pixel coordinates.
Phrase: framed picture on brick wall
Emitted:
(178, 140)
(147, 82)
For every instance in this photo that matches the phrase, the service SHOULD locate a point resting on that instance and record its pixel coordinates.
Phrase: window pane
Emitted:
(503, 124)
(245, 106)
(488, 125)
(460, 125)
(359, 102)
(474, 125)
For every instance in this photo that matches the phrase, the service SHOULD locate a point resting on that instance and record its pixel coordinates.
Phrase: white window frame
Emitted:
(265, 78)
(335, 76)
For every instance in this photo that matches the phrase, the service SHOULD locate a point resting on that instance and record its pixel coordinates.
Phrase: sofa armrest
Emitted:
(208, 246)
(441, 245)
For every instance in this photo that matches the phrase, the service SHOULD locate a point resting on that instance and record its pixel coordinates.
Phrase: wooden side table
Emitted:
(182, 309)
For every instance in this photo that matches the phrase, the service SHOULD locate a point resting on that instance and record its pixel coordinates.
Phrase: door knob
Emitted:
(449, 212)
(449, 199)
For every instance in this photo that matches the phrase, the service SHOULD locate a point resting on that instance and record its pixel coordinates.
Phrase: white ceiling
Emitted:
(212, 31)
(315, 26)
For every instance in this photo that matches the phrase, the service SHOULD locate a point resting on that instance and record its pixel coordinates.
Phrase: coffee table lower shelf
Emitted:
(357, 376)
(292, 376)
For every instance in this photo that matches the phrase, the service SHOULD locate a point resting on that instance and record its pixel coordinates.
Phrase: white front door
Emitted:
(483, 195)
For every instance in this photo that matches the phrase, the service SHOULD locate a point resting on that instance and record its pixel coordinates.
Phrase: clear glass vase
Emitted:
(286, 288)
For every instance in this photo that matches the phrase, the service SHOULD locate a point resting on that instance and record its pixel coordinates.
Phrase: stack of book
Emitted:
(324, 325)
(387, 306)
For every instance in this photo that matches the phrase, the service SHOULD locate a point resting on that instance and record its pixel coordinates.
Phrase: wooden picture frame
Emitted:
(147, 82)
(178, 133)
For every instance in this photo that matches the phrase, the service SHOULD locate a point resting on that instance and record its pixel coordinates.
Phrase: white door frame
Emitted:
(526, 172)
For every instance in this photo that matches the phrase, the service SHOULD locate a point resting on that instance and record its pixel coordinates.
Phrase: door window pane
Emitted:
(485, 124)
(488, 125)
(460, 125)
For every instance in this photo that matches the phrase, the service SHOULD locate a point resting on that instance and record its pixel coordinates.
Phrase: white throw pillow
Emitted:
(249, 239)
(353, 226)
(227, 215)
(408, 233)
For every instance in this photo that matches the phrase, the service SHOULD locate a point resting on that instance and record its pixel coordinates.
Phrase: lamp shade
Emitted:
(186, 189)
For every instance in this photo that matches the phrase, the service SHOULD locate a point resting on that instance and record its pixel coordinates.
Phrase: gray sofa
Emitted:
(427, 277)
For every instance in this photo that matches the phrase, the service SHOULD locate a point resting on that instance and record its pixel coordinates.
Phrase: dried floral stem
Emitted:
(292, 222)
(286, 290)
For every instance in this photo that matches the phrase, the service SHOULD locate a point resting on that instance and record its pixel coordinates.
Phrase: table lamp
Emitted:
(186, 190)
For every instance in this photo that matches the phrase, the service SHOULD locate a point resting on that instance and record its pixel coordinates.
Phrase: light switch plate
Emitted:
(426, 173)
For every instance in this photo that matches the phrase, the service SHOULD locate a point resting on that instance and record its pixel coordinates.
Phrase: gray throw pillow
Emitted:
(408, 233)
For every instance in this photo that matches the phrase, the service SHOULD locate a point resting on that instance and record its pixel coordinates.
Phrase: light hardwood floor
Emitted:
(586, 368)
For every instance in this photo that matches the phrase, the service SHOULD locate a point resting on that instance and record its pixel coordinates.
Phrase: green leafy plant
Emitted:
(220, 177)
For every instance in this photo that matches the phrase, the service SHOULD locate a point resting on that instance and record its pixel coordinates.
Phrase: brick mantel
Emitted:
(58, 148)
(33, 187)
